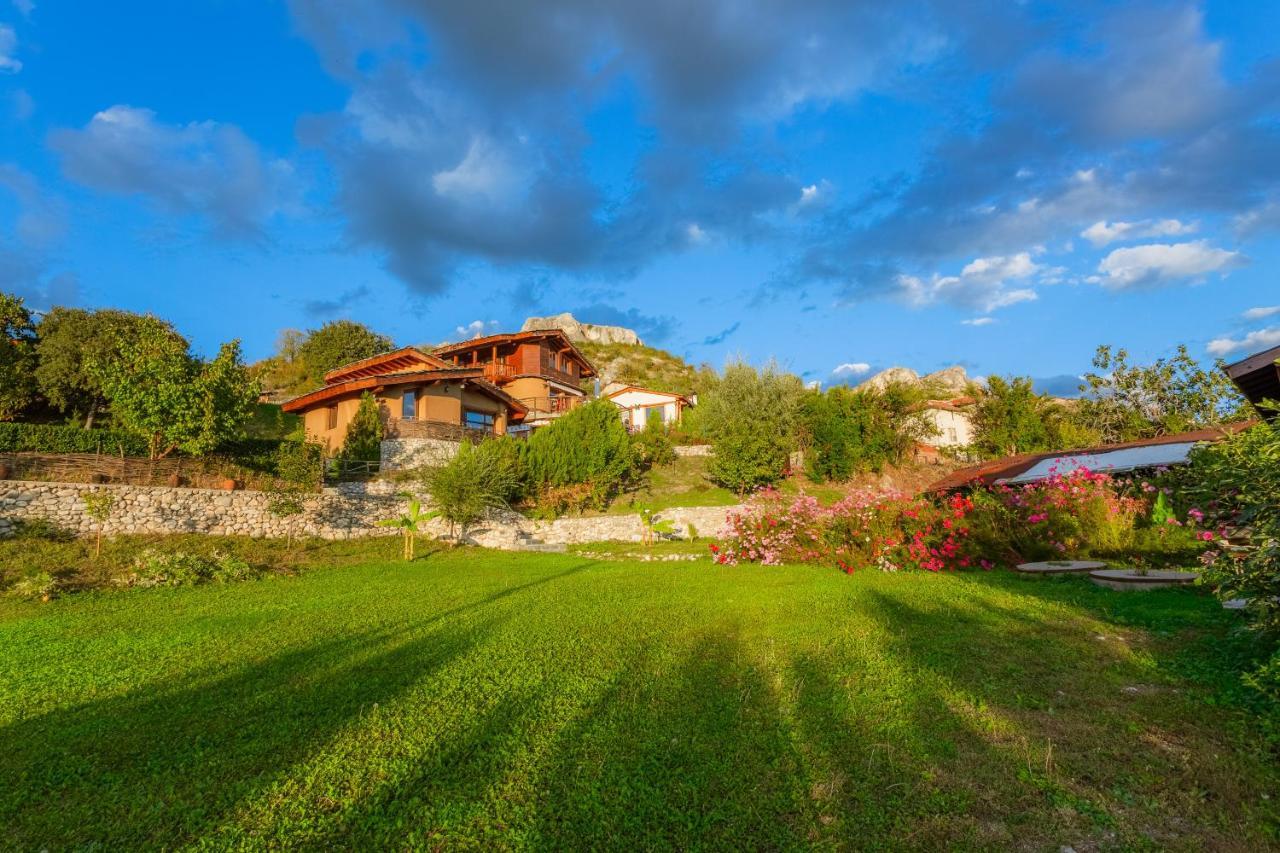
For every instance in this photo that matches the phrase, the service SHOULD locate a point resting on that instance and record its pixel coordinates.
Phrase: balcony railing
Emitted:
(497, 370)
(552, 405)
(443, 430)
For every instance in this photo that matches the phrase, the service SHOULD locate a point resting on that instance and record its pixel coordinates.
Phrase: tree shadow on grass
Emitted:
(1104, 751)
(161, 766)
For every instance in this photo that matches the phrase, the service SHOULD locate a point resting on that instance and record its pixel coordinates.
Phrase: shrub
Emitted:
(555, 501)
(589, 445)
(845, 432)
(750, 416)
(158, 568)
(1236, 484)
(504, 456)
(53, 438)
(653, 445)
(865, 530)
(41, 585)
(364, 434)
(468, 485)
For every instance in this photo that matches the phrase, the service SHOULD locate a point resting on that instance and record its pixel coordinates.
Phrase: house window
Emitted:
(409, 405)
(331, 417)
(477, 420)
(655, 413)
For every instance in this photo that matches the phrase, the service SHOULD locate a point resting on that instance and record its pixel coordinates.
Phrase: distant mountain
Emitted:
(948, 382)
(580, 332)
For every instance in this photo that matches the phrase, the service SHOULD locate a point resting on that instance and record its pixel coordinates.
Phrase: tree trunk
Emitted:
(88, 419)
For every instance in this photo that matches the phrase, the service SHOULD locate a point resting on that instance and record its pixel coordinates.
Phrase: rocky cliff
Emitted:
(578, 332)
(948, 382)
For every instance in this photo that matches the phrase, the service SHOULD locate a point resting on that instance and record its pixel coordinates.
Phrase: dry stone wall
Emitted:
(343, 512)
(400, 454)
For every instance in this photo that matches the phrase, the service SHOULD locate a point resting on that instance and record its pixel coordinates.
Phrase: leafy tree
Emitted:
(299, 470)
(17, 357)
(1012, 418)
(71, 339)
(845, 431)
(364, 434)
(468, 485)
(160, 392)
(335, 344)
(98, 505)
(588, 445)
(750, 416)
(1123, 401)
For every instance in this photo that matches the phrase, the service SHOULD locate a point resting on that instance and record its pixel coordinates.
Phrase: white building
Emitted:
(951, 419)
(640, 405)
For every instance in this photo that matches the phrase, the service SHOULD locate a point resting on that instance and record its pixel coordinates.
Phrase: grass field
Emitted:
(482, 699)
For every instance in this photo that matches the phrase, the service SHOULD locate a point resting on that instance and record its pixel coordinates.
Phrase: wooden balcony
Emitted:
(497, 371)
(443, 430)
(543, 406)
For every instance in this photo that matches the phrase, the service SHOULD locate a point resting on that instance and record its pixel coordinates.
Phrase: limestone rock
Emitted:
(577, 331)
(890, 376)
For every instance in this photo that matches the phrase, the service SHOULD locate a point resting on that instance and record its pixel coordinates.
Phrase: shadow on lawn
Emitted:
(169, 764)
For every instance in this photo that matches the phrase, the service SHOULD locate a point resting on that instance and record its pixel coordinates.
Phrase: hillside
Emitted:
(637, 364)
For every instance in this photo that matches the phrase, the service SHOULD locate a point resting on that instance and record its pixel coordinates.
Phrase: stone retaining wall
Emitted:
(399, 454)
(343, 512)
(693, 450)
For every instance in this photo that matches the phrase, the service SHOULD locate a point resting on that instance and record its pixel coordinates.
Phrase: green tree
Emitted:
(299, 472)
(17, 357)
(160, 392)
(588, 445)
(407, 523)
(468, 485)
(70, 340)
(751, 417)
(1010, 417)
(364, 434)
(335, 344)
(1123, 401)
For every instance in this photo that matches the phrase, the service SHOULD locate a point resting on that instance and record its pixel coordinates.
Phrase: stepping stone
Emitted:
(1059, 567)
(1125, 579)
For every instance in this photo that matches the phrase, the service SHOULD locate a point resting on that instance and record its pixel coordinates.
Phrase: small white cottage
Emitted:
(640, 405)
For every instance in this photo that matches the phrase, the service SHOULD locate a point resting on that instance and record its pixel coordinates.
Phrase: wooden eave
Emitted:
(472, 376)
(405, 358)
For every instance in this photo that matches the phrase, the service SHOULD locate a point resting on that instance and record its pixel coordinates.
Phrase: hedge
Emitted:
(53, 438)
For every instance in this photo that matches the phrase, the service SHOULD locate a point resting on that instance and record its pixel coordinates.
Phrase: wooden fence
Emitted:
(204, 472)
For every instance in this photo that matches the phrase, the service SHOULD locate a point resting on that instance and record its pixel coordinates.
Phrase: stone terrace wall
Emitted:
(403, 453)
(343, 512)
(333, 514)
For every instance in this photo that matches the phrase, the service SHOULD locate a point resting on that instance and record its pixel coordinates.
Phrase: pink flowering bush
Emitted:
(890, 532)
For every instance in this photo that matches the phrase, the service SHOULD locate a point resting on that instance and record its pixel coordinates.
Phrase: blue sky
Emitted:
(837, 185)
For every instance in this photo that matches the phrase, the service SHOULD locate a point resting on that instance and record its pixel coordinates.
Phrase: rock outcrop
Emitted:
(577, 331)
(948, 382)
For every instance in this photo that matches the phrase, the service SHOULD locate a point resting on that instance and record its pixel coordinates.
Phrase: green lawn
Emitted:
(482, 699)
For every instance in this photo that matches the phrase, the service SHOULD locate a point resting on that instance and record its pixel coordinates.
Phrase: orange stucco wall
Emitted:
(442, 402)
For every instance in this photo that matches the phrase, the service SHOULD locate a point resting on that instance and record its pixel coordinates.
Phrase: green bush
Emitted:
(750, 416)
(845, 432)
(471, 483)
(504, 456)
(54, 438)
(158, 568)
(364, 434)
(588, 445)
(1236, 483)
(653, 445)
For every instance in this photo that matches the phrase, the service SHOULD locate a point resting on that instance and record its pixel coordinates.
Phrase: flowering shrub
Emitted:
(864, 530)
(1076, 514)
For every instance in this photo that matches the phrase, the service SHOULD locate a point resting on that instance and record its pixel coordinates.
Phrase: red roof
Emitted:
(515, 338)
(395, 361)
(995, 470)
(472, 375)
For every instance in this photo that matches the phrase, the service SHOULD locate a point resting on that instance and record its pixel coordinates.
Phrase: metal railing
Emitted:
(443, 430)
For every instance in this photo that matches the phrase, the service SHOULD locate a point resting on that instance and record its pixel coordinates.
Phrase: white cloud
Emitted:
(485, 172)
(1262, 339)
(24, 7)
(696, 235)
(205, 168)
(1261, 312)
(1156, 263)
(982, 284)
(979, 321)
(8, 46)
(1101, 233)
(475, 329)
(852, 368)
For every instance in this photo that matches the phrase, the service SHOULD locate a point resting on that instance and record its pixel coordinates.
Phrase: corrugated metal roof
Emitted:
(1011, 467)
